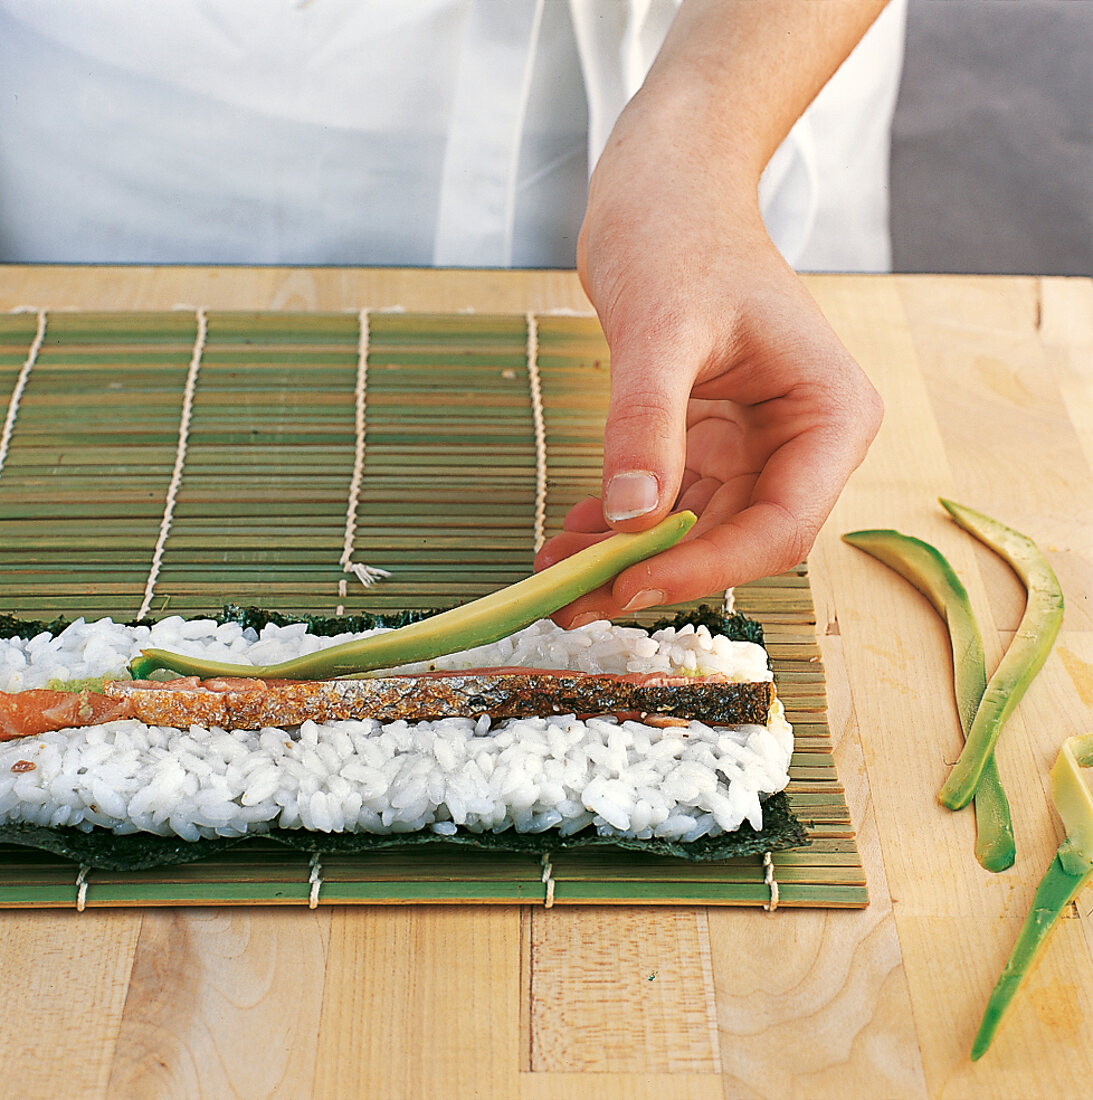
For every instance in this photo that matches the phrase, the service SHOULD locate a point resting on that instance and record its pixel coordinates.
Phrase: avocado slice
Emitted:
(1036, 634)
(929, 571)
(477, 623)
(1070, 869)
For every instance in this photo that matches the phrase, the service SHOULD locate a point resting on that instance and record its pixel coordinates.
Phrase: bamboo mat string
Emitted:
(315, 881)
(540, 430)
(556, 355)
(81, 887)
(366, 574)
(180, 459)
(548, 881)
(770, 882)
(20, 386)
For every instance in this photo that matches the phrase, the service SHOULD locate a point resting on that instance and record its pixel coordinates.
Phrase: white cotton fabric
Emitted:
(824, 195)
(422, 132)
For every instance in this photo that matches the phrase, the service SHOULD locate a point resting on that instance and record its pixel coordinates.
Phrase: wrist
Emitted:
(667, 151)
(690, 117)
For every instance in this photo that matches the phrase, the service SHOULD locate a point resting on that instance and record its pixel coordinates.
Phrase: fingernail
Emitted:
(647, 597)
(629, 495)
(586, 618)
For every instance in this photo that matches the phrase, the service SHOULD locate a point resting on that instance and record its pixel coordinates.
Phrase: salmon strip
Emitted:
(501, 693)
(251, 704)
(29, 713)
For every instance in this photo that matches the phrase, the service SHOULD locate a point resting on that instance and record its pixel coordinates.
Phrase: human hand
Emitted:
(730, 393)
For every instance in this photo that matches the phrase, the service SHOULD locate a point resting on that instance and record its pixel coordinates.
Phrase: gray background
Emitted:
(992, 148)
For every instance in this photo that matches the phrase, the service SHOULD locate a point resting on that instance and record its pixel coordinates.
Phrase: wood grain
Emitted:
(64, 979)
(815, 1009)
(778, 1035)
(1041, 1048)
(421, 1001)
(614, 991)
(1005, 421)
(621, 1086)
(284, 288)
(1066, 330)
(895, 641)
(967, 375)
(221, 1003)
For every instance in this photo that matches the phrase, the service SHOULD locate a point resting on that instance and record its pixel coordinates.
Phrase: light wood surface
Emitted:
(988, 384)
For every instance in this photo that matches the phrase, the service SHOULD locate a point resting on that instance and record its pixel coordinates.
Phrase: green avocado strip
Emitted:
(1024, 658)
(1056, 890)
(1070, 869)
(928, 570)
(478, 623)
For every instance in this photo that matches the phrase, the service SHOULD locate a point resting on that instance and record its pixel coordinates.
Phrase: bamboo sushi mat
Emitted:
(172, 462)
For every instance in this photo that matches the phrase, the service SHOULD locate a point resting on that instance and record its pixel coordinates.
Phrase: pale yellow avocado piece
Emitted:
(481, 622)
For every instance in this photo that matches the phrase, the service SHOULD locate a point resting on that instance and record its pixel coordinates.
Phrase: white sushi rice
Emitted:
(529, 775)
(624, 779)
(104, 648)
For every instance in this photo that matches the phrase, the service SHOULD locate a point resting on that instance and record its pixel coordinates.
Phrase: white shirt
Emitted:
(416, 132)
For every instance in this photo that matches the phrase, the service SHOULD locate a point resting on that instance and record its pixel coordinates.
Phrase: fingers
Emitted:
(645, 434)
(586, 515)
(734, 541)
(697, 496)
(594, 605)
(566, 544)
(762, 540)
(756, 431)
(588, 609)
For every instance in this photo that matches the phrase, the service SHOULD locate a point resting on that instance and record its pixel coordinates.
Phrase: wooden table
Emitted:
(989, 389)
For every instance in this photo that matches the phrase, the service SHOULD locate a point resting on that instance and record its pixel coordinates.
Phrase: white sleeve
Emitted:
(824, 194)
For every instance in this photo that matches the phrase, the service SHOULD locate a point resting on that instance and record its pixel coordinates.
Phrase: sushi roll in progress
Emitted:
(676, 734)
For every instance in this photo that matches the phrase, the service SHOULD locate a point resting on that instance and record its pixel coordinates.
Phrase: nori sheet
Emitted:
(103, 850)
(737, 627)
(255, 617)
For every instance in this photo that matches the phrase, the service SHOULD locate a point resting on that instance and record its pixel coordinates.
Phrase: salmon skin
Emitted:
(501, 693)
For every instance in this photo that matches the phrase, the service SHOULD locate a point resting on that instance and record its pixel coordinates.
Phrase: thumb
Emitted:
(645, 437)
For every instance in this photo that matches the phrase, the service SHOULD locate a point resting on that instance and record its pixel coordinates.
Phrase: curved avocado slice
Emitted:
(929, 571)
(481, 622)
(1036, 634)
